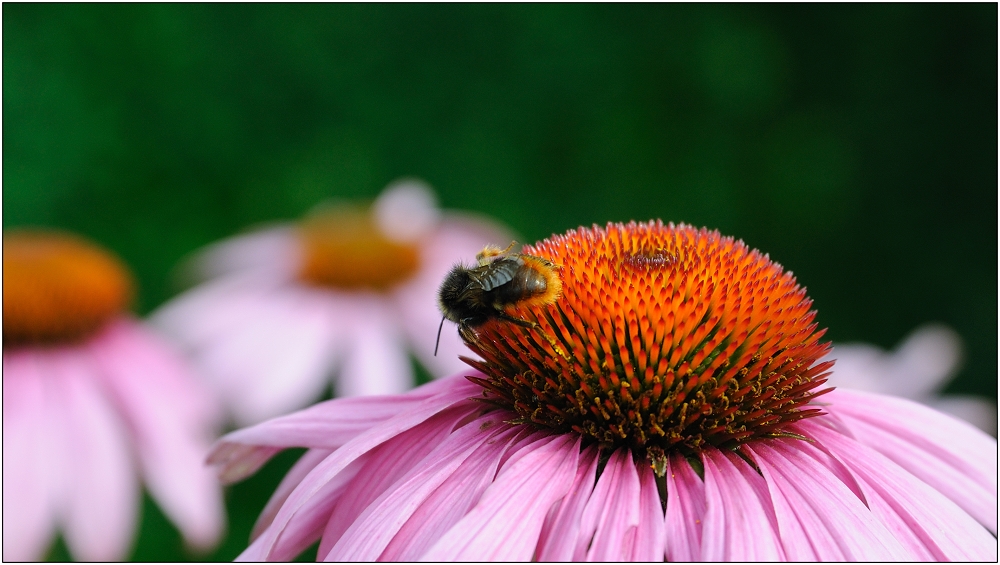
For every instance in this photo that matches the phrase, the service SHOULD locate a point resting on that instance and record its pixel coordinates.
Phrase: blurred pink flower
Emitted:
(92, 401)
(432, 476)
(348, 291)
(917, 369)
(669, 405)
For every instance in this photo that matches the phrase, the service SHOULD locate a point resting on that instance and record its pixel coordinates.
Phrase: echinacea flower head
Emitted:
(349, 291)
(670, 404)
(93, 402)
(918, 369)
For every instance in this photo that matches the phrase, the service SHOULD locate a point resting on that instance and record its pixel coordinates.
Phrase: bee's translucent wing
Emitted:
(499, 273)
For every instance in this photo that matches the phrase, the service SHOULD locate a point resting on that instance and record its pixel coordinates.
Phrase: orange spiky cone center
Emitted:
(344, 249)
(664, 338)
(58, 287)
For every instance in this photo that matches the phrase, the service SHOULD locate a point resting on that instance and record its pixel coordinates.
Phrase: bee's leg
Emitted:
(518, 321)
(465, 331)
(535, 326)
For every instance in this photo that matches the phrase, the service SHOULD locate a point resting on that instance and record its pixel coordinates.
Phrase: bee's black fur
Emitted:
(472, 296)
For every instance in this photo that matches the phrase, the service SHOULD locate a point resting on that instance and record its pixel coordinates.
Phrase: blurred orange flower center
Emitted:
(345, 249)
(664, 338)
(58, 287)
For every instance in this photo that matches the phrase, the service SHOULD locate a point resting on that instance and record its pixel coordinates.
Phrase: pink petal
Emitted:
(274, 250)
(171, 448)
(952, 456)
(131, 344)
(920, 366)
(367, 536)
(360, 445)
(505, 525)
(100, 514)
(406, 210)
(28, 520)
(685, 513)
(613, 510)
(306, 463)
(451, 501)
(201, 316)
(307, 524)
(560, 536)
(278, 362)
(819, 517)
(387, 464)
(236, 461)
(926, 360)
(858, 366)
(651, 535)
(328, 509)
(377, 361)
(326, 425)
(975, 410)
(920, 516)
(739, 525)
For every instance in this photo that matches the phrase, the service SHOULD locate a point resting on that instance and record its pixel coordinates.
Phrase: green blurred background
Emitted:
(857, 144)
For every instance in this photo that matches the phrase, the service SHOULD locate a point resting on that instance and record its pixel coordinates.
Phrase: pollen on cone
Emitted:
(664, 338)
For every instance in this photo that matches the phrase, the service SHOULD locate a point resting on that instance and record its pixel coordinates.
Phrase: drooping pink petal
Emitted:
(650, 536)
(685, 513)
(332, 423)
(613, 510)
(306, 463)
(560, 535)
(452, 500)
(376, 361)
(948, 454)
(919, 515)
(318, 517)
(362, 444)
(28, 517)
(170, 447)
(236, 461)
(739, 525)
(102, 497)
(307, 524)
(327, 425)
(367, 536)
(819, 518)
(137, 350)
(505, 525)
(387, 464)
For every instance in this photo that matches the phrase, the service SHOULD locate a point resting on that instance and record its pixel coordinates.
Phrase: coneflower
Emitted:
(343, 295)
(669, 405)
(92, 402)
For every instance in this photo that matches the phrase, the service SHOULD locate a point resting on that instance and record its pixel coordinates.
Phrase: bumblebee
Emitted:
(501, 279)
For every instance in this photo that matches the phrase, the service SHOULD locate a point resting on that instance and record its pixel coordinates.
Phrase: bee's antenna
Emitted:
(438, 341)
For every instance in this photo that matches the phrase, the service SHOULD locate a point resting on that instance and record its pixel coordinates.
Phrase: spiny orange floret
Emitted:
(343, 248)
(59, 287)
(664, 338)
